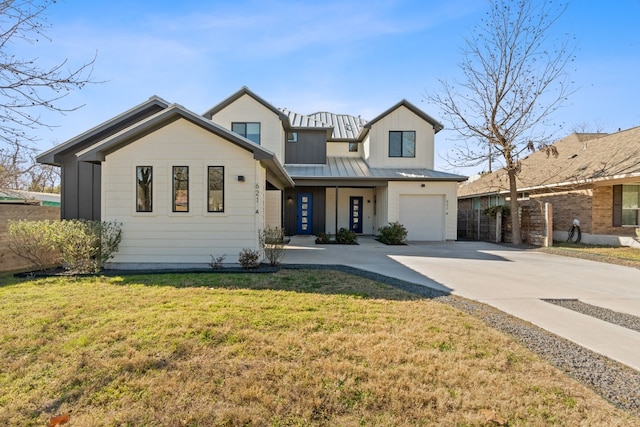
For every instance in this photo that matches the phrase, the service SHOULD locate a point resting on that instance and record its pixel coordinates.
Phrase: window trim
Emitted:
(138, 167)
(209, 167)
(402, 132)
(245, 130)
(623, 209)
(173, 190)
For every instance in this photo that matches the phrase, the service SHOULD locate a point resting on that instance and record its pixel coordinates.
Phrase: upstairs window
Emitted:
(353, 147)
(181, 188)
(144, 187)
(402, 143)
(292, 136)
(215, 201)
(251, 131)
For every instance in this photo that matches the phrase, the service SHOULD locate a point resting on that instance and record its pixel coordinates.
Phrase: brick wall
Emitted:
(593, 207)
(8, 260)
(603, 214)
(568, 206)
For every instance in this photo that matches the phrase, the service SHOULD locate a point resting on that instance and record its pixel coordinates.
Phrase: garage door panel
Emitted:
(423, 216)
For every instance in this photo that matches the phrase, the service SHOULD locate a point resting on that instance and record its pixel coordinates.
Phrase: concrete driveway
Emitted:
(514, 281)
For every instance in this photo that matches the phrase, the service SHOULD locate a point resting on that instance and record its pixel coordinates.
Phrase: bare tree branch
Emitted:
(27, 87)
(514, 77)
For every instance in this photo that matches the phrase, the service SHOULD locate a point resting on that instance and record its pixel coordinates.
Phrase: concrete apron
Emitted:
(514, 281)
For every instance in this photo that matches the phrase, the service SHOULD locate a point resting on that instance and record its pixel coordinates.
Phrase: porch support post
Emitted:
(336, 210)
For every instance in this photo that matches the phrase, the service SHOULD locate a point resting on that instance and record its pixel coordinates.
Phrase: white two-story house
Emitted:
(187, 186)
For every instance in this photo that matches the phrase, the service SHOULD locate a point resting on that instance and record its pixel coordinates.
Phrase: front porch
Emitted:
(314, 210)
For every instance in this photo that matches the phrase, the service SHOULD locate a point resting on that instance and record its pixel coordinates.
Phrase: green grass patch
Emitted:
(317, 348)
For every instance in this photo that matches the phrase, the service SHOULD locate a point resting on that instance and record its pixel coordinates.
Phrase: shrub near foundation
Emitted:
(392, 234)
(272, 243)
(80, 246)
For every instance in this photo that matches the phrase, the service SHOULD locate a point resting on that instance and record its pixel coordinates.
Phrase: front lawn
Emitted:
(621, 255)
(292, 348)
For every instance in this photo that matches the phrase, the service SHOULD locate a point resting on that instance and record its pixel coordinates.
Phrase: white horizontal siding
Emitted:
(344, 215)
(341, 149)
(401, 119)
(163, 236)
(247, 109)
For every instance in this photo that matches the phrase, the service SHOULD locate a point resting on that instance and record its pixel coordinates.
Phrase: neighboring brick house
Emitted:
(595, 178)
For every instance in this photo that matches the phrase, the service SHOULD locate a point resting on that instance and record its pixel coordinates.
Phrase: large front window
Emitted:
(251, 131)
(631, 205)
(181, 188)
(216, 189)
(402, 143)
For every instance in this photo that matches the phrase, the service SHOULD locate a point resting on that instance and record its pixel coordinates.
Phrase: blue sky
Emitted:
(345, 56)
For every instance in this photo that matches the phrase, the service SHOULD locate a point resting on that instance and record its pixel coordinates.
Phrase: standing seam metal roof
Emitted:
(345, 127)
(355, 167)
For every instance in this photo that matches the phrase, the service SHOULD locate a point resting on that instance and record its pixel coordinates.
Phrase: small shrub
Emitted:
(392, 234)
(346, 237)
(216, 262)
(88, 245)
(249, 258)
(323, 238)
(272, 242)
(80, 246)
(36, 241)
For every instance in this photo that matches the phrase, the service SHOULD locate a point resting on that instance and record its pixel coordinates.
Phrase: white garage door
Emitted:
(423, 216)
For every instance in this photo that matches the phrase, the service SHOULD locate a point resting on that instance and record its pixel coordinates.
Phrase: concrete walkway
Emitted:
(514, 281)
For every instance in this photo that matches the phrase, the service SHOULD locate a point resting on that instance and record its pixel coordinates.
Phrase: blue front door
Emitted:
(304, 213)
(355, 214)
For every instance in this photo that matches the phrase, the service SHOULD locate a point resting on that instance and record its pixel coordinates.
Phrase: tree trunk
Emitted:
(516, 238)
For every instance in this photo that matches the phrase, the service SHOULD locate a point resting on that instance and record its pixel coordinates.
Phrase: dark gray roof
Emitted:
(103, 130)
(357, 168)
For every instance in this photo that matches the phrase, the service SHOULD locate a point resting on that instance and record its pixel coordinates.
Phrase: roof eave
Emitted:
(437, 126)
(237, 95)
(51, 157)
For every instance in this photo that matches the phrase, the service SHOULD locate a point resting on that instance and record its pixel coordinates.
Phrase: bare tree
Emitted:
(514, 78)
(27, 85)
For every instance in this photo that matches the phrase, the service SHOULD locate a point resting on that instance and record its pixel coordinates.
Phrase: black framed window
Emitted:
(181, 188)
(144, 189)
(402, 143)
(215, 191)
(250, 130)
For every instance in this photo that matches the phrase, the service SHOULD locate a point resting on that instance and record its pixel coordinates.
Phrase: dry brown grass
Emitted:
(620, 255)
(292, 348)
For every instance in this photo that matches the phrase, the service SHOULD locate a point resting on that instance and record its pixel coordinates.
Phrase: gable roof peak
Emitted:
(437, 126)
(244, 90)
(109, 127)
